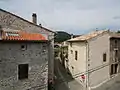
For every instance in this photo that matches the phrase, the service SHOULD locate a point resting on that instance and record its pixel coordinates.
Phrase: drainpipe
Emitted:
(51, 60)
(87, 69)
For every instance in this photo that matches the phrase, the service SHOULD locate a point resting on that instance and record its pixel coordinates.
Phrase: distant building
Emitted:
(34, 58)
(64, 46)
(65, 43)
(89, 58)
(64, 53)
(114, 54)
(74, 36)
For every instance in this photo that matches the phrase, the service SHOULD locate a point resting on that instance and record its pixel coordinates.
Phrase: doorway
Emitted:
(22, 71)
(114, 69)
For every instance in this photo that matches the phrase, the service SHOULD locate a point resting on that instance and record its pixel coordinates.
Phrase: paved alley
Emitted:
(64, 80)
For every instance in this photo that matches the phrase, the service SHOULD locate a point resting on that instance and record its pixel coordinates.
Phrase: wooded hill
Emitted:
(61, 36)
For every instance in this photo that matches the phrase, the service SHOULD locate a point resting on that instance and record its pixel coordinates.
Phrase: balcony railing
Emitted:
(115, 48)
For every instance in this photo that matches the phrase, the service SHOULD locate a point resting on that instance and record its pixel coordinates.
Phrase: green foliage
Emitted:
(118, 31)
(62, 36)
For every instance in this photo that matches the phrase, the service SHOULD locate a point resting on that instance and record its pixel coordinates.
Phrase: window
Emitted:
(76, 56)
(22, 71)
(12, 34)
(115, 42)
(23, 47)
(88, 64)
(104, 57)
(72, 67)
(71, 51)
(70, 44)
(116, 53)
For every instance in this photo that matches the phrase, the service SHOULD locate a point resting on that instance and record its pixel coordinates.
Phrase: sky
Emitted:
(72, 16)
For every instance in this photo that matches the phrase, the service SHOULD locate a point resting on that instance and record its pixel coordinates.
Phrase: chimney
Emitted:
(34, 18)
(96, 29)
(72, 36)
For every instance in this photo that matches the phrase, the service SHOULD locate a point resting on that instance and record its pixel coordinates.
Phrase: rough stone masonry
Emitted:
(11, 56)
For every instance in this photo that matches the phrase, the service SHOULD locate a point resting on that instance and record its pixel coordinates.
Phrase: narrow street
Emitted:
(64, 80)
(60, 83)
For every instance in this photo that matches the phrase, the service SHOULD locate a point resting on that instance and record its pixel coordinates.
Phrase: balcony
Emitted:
(116, 48)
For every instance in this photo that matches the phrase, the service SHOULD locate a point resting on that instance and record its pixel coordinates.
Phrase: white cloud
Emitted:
(70, 15)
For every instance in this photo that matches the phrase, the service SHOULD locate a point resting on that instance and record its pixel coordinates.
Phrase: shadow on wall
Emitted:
(67, 74)
(64, 55)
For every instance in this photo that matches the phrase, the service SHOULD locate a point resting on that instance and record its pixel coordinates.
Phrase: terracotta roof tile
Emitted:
(88, 36)
(22, 35)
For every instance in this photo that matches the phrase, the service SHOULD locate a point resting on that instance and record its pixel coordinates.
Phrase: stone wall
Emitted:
(114, 45)
(114, 56)
(35, 55)
(9, 20)
(98, 68)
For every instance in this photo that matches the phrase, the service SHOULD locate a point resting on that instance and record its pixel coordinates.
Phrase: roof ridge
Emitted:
(88, 36)
(26, 20)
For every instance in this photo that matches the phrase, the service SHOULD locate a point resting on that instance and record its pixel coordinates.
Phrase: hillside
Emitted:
(62, 36)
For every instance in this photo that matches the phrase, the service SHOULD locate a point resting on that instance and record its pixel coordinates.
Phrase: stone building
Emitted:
(88, 57)
(13, 55)
(114, 54)
(94, 58)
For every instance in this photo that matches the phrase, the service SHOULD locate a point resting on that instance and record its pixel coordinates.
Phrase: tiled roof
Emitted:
(114, 35)
(21, 36)
(88, 36)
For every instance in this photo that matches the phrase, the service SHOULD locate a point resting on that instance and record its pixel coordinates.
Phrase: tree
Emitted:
(118, 31)
(62, 36)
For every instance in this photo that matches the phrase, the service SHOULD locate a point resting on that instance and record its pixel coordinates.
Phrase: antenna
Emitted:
(96, 29)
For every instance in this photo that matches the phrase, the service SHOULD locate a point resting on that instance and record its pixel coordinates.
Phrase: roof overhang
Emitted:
(26, 41)
(77, 41)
